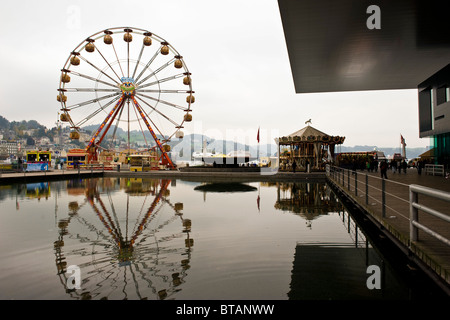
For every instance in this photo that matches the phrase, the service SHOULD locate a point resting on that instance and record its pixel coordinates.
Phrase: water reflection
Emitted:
(38, 190)
(308, 200)
(129, 240)
(133, 239)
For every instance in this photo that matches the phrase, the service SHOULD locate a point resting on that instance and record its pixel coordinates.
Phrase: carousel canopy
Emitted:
(310, 134)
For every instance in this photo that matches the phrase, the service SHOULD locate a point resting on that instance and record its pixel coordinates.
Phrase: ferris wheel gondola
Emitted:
(120, 81)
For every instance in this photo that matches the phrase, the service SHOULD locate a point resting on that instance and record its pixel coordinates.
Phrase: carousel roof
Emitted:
(310, 134)
(308, 131)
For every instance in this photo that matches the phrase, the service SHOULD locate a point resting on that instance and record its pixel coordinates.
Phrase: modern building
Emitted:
(355, 45)
(434, 113)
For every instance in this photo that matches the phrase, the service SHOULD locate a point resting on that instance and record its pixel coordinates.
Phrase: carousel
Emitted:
(309, 148)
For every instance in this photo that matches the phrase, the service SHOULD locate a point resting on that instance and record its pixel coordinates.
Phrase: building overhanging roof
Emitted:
(331, 48)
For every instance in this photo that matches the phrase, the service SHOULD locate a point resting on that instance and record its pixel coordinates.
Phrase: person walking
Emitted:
(383, 169)
(419, 167)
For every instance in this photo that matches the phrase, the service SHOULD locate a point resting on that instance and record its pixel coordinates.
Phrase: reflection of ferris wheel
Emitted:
(153, 257)
(129, 79)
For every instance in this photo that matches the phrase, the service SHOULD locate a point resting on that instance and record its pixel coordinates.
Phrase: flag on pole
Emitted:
(402, 140)
(257, 136)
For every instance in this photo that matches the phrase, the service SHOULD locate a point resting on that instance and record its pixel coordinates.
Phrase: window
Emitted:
(425, 110)
(441, 95)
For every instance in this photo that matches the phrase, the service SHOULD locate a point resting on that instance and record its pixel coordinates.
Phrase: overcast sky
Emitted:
(235, 50)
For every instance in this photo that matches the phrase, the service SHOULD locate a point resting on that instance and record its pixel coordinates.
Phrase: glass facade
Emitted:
(441, 143)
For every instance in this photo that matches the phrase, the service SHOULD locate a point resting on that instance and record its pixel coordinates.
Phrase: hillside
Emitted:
(12, 130)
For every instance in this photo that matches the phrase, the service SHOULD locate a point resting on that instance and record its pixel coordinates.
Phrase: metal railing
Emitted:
(371, 192)
(435, 169)
(372, 188)
(415, 206)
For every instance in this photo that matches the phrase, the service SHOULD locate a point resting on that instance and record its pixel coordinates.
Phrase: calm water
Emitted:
(162, 239)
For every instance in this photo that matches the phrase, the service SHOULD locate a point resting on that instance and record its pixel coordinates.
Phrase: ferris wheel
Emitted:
(125, 84)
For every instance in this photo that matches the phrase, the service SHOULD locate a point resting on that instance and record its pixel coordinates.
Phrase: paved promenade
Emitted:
(24, 177)
(201, 175)
(395, 216)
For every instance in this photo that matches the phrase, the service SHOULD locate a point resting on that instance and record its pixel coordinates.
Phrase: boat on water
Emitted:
(233, 158)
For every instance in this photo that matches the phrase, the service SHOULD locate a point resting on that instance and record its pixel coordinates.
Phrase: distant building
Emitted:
(10, 147)
(29, 132)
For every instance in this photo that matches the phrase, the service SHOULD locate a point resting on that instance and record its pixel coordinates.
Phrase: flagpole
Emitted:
(257, 155)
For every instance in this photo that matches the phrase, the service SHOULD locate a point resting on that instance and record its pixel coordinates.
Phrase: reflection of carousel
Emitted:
(119, 263)
(308, 200)
(307, 146)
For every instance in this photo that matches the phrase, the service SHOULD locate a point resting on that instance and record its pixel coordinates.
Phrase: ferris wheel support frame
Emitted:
(164, 156)
(91, 148)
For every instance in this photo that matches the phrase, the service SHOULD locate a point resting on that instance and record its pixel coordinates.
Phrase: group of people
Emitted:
(395, 166)
(398, 167)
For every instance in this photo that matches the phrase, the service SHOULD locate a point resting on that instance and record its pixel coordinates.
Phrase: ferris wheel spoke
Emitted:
(112, 224)
(96, 230)
(149, 213)
(107, 62)
(118, 61)
(117, 124)
(156, 71)
(165, 91)
(159, 112)
(103, 220)
(140, 126)
(162, 80)
(93, 114)
(78, 105)
(138, 61)
(111, 203)
(93, 79)
(91, 90)
(140, 213)
(148, 117)
(163, 101)
(98, 69)
(147, 65)
(128, 59)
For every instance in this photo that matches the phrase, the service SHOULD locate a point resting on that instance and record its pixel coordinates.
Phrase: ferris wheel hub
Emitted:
(127, 86)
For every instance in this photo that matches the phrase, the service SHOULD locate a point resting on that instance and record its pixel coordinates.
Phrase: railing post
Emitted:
(356, 183)
(348, 180)
(413, 215)
(367, 189)
(383, 196)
